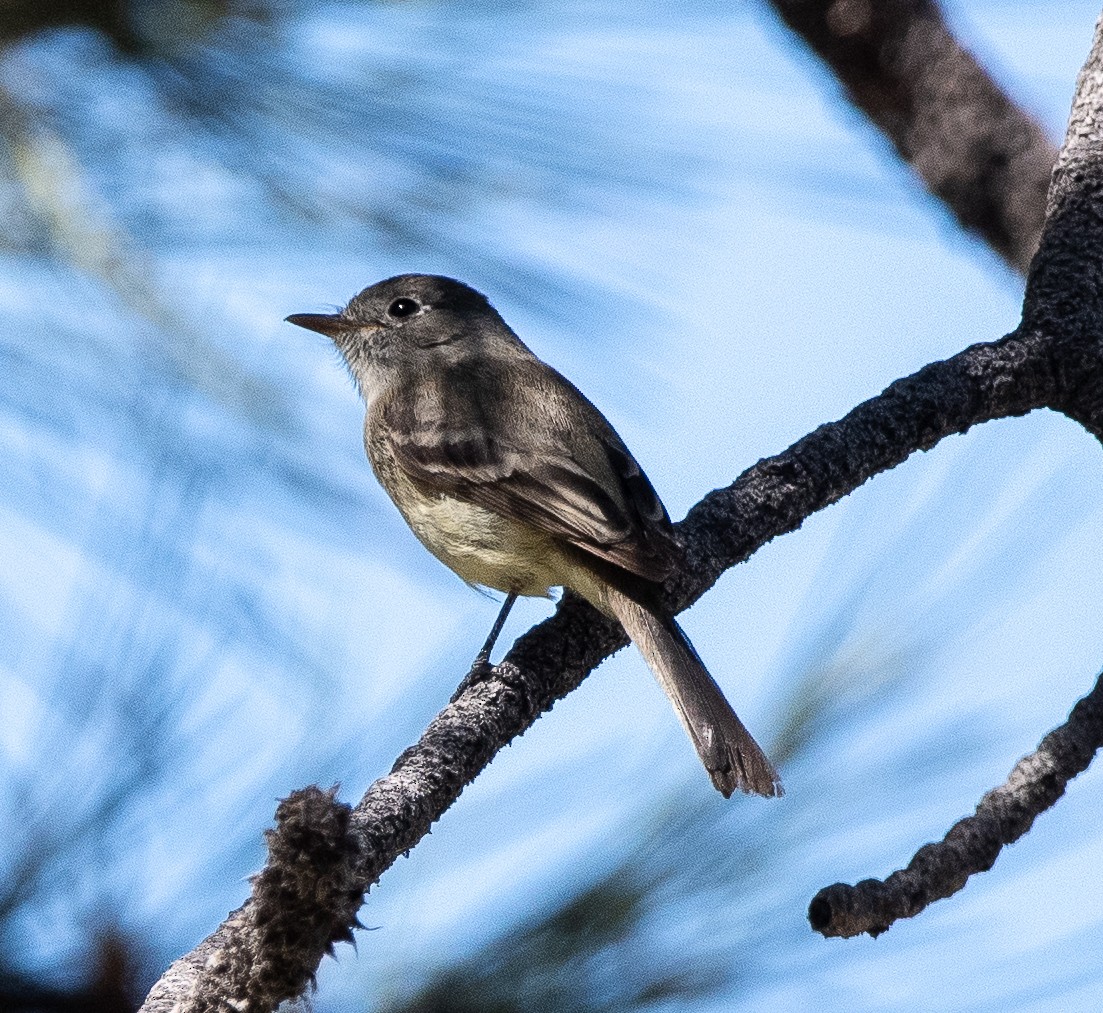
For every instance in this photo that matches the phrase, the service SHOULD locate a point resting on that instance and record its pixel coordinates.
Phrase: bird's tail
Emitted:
(732, 758)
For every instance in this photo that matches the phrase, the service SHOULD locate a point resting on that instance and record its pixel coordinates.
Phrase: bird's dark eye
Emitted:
(403, 308)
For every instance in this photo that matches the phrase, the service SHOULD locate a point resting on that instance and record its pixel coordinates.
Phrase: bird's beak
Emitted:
(329, 324)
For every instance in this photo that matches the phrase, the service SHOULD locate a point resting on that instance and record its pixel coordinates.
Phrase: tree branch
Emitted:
(1008, 377)
(303, 902)
(1063, 309)
(771, 498)
(972, 146)
(1054, 358)
(973, 844)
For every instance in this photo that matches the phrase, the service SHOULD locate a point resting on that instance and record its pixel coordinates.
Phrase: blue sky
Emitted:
(726, 257)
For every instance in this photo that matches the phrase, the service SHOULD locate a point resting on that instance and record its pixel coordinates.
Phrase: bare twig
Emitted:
(972, 844)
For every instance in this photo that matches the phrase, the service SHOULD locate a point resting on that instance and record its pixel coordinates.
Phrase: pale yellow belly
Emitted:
(482, 547)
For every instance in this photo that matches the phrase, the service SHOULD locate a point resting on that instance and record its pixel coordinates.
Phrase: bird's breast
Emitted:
(481, 546)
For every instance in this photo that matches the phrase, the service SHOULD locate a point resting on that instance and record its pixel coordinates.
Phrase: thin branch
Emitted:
(972, 146)
(773, 497)
(974, 843)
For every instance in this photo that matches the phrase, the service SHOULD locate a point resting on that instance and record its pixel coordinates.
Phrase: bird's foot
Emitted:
(481, 670)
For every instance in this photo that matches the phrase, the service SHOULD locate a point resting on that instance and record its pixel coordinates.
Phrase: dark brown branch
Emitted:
(969, 142)
(973, 844)
(1064, 293)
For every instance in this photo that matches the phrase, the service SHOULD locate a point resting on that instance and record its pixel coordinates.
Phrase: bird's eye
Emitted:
(403, 308)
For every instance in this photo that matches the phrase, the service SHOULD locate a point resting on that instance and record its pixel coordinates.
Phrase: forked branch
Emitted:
(1053, 359)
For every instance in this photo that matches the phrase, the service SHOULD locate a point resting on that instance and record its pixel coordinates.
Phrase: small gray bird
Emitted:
(513, 479)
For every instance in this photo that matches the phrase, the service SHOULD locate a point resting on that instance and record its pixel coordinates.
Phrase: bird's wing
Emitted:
(514, 454)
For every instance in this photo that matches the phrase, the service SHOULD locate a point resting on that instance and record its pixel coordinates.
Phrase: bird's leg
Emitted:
(483, 657)
(480, 667)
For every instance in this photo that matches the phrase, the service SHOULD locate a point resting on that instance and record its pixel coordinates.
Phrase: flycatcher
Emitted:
(513, 479)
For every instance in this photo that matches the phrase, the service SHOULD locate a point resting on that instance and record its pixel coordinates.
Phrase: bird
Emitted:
(513, 479)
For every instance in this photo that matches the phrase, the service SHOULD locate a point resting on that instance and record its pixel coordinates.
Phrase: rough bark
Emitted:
(308, 893)
(1063, 318)
(972, 844)
(303, 902)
